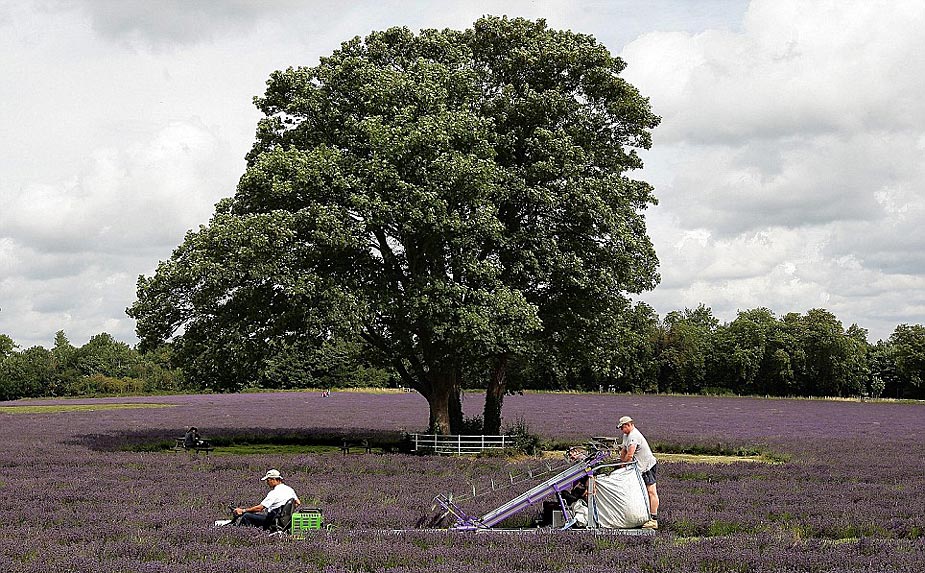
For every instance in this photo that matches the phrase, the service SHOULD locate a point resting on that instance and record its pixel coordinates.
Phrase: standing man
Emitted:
(279, 494)
(635, 446)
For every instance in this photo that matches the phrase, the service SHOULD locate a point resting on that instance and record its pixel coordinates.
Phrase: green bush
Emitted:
(524, 440)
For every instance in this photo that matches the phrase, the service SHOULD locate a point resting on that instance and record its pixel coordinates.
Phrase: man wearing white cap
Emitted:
(635, 446)
(277, 497)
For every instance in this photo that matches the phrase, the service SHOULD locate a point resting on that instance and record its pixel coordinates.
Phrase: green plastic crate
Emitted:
(306, 520)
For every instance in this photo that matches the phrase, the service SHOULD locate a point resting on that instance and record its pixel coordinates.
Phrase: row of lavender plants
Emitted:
(79, 498)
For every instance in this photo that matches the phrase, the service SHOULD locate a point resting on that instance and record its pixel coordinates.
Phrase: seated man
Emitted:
(261, 515)
(577, 500)
(192, 439)
(578, 491)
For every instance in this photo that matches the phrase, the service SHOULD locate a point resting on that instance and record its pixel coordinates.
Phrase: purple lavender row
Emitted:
(849, 499)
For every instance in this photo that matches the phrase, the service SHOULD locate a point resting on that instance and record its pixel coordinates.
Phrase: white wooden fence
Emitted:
(458, 444)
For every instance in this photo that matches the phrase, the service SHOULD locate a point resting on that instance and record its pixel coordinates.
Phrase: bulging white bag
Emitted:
(620, 499)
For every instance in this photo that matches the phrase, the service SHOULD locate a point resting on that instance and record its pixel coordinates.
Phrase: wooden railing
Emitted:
(458, 444)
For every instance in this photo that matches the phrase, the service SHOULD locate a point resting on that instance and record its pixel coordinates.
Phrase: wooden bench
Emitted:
(180, 445)
(347, 444)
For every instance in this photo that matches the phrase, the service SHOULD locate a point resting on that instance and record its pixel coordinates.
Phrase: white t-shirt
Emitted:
(278, 496)
(643, 454)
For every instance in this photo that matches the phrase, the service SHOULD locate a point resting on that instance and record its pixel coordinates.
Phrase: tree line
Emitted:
(101, 366)
(105, 366)
(687, 351)
(758, 353)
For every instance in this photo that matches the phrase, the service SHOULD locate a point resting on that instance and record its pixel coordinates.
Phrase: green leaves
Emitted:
(456, 198)
(908, 343)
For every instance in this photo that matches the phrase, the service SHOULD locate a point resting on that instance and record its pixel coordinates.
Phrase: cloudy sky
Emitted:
(789, 166)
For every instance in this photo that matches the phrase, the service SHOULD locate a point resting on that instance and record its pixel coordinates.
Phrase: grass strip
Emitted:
(57, 408)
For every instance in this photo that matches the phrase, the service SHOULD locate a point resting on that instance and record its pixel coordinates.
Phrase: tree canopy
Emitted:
(457, 200)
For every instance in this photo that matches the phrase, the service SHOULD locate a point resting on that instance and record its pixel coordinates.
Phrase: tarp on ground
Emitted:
(620, 499)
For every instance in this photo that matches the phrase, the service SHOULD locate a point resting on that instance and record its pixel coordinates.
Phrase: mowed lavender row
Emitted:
(848, 499)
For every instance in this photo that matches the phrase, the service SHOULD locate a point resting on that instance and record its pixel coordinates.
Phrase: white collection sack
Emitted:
(580, 513)
(620, 499)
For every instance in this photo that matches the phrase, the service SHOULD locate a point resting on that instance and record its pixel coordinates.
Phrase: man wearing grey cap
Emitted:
(279, 494)
(635, 446)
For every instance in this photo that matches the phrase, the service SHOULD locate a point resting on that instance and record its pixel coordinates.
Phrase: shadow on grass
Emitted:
(252, 440)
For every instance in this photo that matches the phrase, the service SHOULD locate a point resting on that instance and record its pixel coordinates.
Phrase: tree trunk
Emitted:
(456, 412)
(439, 403)
(494, 397)
(441, 394)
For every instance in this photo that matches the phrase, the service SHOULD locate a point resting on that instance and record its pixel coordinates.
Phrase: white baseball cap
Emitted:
(271, 474)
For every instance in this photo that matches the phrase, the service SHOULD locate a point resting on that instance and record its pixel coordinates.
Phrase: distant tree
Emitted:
(857, 362)
(632, 350)
(615, 351)
(66, 368)
(459, 199)
(339, 363)
(7, 346)
(908, 342)
(63, 349)
(832, 363)
(156, 372)
(885, 379)
(741, 350)
(106, 356)
(26, 374)
(683, 345)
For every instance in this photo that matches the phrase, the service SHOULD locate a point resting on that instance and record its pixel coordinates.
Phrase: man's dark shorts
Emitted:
(648, 476)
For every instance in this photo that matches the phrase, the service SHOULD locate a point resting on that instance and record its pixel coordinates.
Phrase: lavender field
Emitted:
(76, 498)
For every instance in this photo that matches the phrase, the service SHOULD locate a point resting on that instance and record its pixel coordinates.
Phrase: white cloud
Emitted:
(142, 197)
(84, 298)
(796, 69)
(166, 24)
(789, 164)
(795, 145)
(73, 249)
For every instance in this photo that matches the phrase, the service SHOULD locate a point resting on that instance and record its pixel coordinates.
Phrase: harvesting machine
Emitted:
(615, 500)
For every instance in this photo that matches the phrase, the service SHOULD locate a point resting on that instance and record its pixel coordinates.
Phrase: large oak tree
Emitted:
(458, 199)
